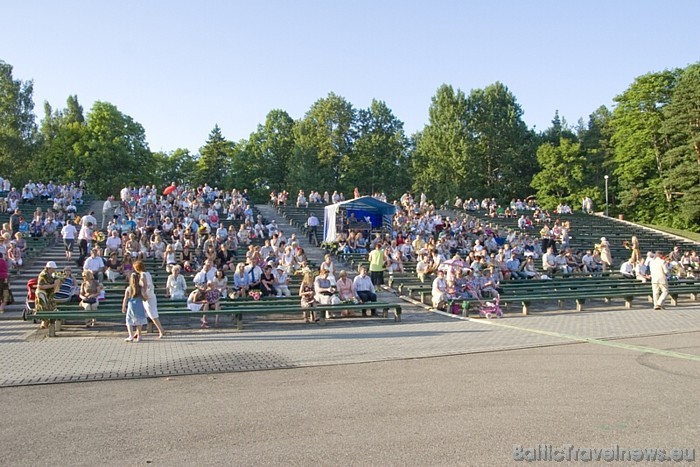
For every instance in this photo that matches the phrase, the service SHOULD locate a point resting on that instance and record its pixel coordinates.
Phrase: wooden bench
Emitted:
(55, 318)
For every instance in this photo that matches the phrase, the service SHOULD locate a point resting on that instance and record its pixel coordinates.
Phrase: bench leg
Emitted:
(628, 302)
(385, 313)
(674, 299)
(52, 328)
(579, 304)
(239, 321)
(397, 314)
(526, 306)
(560, 303)
(422, 297)
(58, 324)
(321, 318)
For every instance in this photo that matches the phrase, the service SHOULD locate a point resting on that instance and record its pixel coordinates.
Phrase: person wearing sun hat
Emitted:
(46, 288)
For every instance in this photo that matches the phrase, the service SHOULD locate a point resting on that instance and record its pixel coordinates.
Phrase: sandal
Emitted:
(129, 339)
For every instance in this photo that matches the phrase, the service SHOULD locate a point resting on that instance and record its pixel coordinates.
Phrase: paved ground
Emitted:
(431, 390)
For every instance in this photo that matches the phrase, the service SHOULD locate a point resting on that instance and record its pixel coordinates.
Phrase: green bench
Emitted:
(55, 318)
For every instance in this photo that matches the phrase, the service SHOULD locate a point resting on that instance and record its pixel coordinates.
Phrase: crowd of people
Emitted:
(189, 233)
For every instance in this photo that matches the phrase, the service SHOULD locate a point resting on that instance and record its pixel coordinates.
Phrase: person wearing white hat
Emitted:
(47, 286)
(282, 282)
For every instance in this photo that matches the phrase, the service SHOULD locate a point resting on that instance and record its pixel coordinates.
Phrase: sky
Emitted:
(181, 67)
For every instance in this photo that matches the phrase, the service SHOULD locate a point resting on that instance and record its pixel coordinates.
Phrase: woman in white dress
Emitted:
(605, 255)
(151, 303)
(176, 287)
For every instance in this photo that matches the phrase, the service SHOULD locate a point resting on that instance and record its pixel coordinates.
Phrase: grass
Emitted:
(694, 236)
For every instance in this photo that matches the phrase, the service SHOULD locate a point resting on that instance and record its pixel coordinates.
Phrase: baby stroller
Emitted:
(487, 309)
(30, 301)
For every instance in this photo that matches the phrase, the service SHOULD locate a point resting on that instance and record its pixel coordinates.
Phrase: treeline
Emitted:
(474, 145)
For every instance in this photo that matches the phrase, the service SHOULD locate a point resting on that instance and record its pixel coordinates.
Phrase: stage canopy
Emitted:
(365, 208)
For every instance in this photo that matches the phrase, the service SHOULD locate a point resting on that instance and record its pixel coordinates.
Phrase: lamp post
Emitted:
(606, 195)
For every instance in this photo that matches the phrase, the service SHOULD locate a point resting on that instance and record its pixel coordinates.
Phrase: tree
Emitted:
(17, 124)
(60, 135)
(379, 162)
(561, 175)
(639, 146)
(501, 148)
(113, 151)
(597, 149)
(440, 166)
(269, 150)
(559, 129)
(681, 161)
(176, 166)
(324, 140)
(214, 163)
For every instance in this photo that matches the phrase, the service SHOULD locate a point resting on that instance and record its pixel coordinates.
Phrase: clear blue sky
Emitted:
(179, 67)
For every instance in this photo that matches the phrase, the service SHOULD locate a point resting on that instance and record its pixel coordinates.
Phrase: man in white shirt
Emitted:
(95, 264)
(69, 232)
(549, 263)
(113, 244)
(658, 270)
(627, 269)
(88, 219)
(84, 239)
(107, 211)
(205, 275)
(313, 224)
(364, 289)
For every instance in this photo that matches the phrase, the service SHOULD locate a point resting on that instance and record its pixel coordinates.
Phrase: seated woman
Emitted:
(197, 301)
(221, 283)
(325, 292)
(213, 297)
(267, 282)
(240, 282)
(439, 289)
(113, 267)
(176, 287)
(90, 291)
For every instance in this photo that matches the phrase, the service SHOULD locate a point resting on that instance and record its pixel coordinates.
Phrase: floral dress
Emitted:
(45, 300)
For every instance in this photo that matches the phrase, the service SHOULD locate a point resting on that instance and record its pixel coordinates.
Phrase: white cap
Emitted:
(52, 265)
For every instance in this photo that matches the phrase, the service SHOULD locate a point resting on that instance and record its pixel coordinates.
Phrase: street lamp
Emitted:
(606, 195)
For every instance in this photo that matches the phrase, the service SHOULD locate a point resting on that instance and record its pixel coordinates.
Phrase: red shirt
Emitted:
(4, 270)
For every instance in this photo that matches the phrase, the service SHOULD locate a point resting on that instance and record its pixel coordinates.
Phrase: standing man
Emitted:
(69, 232)
(313, 223)
(107, 211)
(84, 239)
(659, 280)
(376, 264)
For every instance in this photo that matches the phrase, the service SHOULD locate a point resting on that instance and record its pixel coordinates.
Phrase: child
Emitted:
(132, 306)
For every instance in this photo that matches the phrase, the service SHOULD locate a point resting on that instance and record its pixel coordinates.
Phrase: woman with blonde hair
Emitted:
(307, 293)
(133, 307)
(150, 303)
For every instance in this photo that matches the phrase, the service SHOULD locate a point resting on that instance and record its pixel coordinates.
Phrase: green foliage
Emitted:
(324, 139)
(113, 151)
(265, 160)
(17, 126)
(643, 189)
(379, 157)
(214, 163)
(440, 166)
(176, 166)
(681, 161)
(561, 175)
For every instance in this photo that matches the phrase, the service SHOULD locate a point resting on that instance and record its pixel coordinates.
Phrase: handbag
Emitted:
(90, 300)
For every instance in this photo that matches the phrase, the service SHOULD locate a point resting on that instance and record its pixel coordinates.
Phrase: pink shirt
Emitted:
(345, 289)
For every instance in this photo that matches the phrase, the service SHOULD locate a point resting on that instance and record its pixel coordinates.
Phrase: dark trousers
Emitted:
(377, 277)
(367, 296)
(83, 246)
